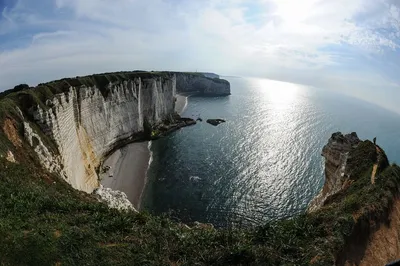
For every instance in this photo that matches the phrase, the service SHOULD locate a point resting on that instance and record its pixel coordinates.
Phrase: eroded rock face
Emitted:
(86, 125)
(90, 116)
(336, 154)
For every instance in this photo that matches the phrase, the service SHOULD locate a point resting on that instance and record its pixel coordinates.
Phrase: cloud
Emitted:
(317, 42)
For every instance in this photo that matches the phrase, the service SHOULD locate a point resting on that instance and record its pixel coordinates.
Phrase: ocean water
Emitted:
(265, 162)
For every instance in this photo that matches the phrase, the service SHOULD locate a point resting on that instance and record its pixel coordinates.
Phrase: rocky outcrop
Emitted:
(199, 84)
(358, 204)
(170, 126)
(114, 199)
(336, 154)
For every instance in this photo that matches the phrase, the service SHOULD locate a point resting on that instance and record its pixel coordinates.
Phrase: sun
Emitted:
(292, 11)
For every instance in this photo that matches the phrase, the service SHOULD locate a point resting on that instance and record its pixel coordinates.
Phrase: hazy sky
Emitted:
(349, 46)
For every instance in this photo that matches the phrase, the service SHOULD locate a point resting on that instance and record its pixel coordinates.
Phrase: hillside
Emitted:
(45, 221)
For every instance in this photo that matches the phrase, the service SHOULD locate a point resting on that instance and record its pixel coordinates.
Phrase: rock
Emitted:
(174, 124)
(10, 157)
(114, 198)
(194, 178)
(199, 119)
(215, 122)
(105, 169)
(198, 225)
(336, 155)
(184, 226)
(190, 123)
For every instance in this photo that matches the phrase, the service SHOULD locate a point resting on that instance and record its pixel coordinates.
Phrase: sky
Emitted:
(348, 46)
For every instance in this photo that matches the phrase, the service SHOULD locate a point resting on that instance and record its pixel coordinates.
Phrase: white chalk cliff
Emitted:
(85, 125)
(86, 122)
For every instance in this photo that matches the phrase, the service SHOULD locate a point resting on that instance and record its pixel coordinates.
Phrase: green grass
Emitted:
(44, 221)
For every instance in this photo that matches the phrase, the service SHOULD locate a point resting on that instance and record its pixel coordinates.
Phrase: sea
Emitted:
(264, 163)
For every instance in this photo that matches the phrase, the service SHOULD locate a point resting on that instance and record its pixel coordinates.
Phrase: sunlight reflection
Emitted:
(278, 92)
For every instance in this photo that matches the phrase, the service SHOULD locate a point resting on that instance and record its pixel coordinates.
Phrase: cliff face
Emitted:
(361, 193)
(202, 85)
(336, 154)
(86, 125)
(345, 162)
(87, 117)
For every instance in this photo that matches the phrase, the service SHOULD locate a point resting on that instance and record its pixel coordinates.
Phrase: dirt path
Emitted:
(375, 167)
(374, 173)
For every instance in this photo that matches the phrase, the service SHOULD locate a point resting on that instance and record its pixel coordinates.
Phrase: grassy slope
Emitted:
(44, 221)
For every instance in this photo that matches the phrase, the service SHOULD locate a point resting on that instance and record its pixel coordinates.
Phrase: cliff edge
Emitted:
(362, 185)
(336, 154)
(197, 83)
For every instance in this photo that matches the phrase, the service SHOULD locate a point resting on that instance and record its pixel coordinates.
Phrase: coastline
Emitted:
(129, 165)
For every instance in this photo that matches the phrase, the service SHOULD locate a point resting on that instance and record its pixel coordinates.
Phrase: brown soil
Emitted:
(11, 132)
(374, 169)
(384, 244)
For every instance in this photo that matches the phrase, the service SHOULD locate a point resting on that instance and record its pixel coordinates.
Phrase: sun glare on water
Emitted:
(280, 93)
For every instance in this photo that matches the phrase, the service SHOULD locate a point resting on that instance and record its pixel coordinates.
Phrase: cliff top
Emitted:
(99, 80)
(26, 97)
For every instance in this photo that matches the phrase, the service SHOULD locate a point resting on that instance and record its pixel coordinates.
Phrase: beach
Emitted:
(180, 104)
(128, 165)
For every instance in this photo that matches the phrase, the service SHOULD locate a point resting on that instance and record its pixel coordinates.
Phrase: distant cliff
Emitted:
(199, 84)
(210, 75)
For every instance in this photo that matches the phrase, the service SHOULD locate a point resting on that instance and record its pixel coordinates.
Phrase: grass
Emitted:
(48, 222)
(44, 222)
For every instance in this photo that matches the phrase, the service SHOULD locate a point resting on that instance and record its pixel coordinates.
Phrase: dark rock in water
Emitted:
(199, 119)
(215, 122)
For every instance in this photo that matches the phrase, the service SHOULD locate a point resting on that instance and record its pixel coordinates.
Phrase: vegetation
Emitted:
(155, 133)
(43, 221)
